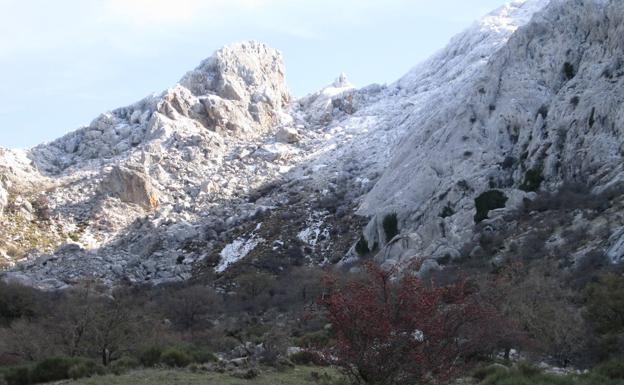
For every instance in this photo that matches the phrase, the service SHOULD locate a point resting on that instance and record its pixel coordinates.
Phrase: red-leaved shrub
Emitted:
(395, 329)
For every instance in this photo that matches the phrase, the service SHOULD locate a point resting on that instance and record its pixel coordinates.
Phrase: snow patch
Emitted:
(314, 232)
(238, 250)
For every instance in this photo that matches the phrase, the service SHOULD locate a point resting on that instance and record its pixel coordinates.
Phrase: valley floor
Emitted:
(296, 376)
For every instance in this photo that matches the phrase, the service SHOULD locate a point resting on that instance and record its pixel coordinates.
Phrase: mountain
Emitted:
(226, 168)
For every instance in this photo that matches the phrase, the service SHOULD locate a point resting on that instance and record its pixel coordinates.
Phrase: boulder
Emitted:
(272, 152)
(131, 186)
(182, 232)
(287, 135)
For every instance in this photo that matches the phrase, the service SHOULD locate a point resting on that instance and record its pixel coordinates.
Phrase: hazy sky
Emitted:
(62, 62)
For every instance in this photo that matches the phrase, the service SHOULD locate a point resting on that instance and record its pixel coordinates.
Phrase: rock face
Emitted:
(249, 72)
(4, 198)
(131, 186)
(224, 166)
(545, 107)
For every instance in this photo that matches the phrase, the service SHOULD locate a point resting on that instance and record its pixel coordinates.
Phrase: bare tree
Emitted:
(187, 308)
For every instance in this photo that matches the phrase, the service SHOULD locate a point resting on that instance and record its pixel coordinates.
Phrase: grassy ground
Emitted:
(526, 375)
(297, 376)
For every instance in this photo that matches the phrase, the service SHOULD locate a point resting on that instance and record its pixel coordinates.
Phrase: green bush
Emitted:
(613, 369)
(481, 373)
(52, 369)
(362, 246)
(150, 357)
(605, 304)
(124, 364)
(20, 375)
(532, 179)
(391, 226)
(201, 355)
(175, 358)
(528, 370)
(568, 70)
(85, 368)
(315, 339)
(306, 357)
(489, 200)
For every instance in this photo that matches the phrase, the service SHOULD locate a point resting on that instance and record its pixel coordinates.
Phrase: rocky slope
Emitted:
(544, 109)
(226, 170)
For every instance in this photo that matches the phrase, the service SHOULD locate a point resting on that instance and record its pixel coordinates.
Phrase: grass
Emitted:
(526, 375)
(298, 376)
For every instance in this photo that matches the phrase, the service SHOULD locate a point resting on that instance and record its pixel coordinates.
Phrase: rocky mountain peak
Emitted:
(246, 72)
(240, 90)
(342, 81)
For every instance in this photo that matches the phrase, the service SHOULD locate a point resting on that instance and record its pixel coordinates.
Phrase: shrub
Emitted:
(605, 304)
(150, 357)
(248, 374)
(20, 375)
(395, 329)
(568, 70)
(361, 247)
(84, 368)
(124, 364)
(175, 358)
(613, 369)
(306, 357)
(391, 226)
(489, 200)
(481, 373)
(532, 179)
(201, 355)
(275, 343)
(16, 301)
(315, 339)
(52, 369)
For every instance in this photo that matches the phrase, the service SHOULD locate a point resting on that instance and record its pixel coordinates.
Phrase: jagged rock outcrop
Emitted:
(240, 91)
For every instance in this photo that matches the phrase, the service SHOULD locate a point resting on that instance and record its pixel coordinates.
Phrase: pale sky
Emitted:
(63, 62)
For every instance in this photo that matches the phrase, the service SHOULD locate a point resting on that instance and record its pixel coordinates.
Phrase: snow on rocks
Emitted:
(237, 250)
(314, 230)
